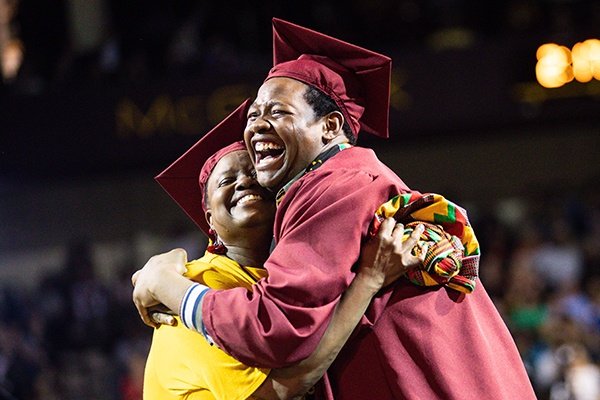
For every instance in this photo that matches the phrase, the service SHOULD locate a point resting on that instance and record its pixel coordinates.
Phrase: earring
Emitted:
(215, 245)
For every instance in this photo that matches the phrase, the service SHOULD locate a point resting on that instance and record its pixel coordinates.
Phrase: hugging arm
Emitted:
(383, 260)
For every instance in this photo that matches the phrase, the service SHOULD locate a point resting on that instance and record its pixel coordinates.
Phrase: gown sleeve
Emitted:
(321, 223)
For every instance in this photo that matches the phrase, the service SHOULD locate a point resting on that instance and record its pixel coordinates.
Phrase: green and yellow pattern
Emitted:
(453, 254)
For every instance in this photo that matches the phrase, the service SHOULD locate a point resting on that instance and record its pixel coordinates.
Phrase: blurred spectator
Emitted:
(78, 330)
(133, 342)
(559, 260)
(76, 304)
(579, 376)
(21, 356)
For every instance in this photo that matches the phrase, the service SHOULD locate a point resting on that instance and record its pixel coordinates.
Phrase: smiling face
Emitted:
(282, 133)
(236, 204)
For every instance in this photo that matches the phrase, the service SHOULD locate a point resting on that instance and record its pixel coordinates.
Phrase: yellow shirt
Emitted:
(182, 365)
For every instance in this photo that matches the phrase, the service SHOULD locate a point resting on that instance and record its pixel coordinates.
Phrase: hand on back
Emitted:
(386, 257)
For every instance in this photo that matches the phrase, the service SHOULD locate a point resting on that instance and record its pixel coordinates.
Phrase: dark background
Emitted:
(110, 92)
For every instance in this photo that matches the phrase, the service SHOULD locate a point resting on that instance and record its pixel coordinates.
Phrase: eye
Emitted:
(253, 174)
(225, 181)
(252, 116)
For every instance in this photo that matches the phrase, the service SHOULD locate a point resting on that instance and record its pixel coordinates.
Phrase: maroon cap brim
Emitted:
(180, 179)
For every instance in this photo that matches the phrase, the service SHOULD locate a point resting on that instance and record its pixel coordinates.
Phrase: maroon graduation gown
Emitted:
(412, 343)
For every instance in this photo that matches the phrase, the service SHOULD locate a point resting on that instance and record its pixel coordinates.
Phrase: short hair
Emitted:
(322, 105)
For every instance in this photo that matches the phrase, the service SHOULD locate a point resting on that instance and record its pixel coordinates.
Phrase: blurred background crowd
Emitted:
(89, 87)
(51, 43)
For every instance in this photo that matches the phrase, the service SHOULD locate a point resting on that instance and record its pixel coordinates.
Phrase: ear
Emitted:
(208, 216)
(332, 128)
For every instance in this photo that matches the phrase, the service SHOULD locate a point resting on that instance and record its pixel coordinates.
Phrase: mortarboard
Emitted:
(184, 180)
(357, 79)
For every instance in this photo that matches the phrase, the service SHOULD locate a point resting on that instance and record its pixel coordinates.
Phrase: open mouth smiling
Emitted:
(248, 198)
(267, 151)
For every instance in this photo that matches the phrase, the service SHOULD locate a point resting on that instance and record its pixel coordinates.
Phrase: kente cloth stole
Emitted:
(452, 257)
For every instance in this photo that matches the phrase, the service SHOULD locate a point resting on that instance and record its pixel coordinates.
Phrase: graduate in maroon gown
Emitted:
(414, 342)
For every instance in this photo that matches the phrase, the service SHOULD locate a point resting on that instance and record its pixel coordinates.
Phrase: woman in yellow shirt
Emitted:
(239, 217)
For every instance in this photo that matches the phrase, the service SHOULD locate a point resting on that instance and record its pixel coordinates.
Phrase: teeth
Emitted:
(265, 146)
(248, 198)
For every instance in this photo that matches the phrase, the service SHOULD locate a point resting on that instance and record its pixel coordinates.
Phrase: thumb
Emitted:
(134, 277)
(181, 260)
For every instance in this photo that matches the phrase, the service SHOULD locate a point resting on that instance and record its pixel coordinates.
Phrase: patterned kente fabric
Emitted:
(452, 257)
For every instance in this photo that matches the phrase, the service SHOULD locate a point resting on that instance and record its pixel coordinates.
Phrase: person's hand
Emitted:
(161, 315)
(153, 279)
(386, 257)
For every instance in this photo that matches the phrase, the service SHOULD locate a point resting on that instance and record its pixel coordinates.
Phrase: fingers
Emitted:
(409, 257)
(142, 301)
(423, 248)
(145, 316)
(387, 227)
(417, 246)
(149, 277)
(414, 237)
(143, 311)
(163, 318)
(390, 227)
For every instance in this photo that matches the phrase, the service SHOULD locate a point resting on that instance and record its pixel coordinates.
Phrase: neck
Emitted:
(248, 255)
(325, 149)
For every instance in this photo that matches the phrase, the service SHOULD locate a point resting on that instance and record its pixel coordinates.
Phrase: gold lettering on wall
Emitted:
(187, 115)
(225, 99)
(164, 116)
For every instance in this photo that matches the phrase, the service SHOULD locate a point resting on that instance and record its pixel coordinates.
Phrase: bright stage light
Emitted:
(558, 65)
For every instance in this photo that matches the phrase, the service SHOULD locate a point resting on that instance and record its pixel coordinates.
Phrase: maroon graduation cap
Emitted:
(357, 79)
(184, 180)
